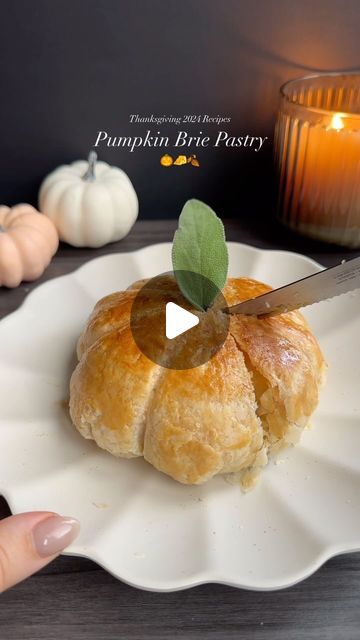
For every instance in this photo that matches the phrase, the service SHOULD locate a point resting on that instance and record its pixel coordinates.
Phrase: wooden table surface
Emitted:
(74, 599)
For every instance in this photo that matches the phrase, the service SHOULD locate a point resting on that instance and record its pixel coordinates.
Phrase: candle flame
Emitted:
(337, 122)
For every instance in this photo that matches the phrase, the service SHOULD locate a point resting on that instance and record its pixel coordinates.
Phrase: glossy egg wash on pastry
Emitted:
(255, 396)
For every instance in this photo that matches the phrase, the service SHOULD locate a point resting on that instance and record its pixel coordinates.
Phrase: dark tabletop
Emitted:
(74, 599)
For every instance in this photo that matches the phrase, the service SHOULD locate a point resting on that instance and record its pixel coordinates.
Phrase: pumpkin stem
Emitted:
(89, 175)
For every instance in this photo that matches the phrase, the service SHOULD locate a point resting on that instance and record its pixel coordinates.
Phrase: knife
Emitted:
(315, 288)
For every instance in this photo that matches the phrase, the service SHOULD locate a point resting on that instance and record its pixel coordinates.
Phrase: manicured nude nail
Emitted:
(53, 534)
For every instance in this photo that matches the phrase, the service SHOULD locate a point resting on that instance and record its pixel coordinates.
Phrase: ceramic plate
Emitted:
(139, 524)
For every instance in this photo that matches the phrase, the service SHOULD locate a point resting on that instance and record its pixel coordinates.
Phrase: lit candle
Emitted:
(318, 156)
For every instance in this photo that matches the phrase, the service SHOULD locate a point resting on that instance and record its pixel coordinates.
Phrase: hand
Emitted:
(29, 541)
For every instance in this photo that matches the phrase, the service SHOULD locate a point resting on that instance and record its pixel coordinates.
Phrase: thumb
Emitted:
(29, 541)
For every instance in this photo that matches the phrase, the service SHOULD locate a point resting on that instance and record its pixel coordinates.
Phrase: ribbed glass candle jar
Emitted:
(317, 152)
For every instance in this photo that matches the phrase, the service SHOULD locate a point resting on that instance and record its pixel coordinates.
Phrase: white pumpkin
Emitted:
(90, 203)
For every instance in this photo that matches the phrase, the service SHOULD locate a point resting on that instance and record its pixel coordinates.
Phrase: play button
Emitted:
(169, 330)
(178, 320)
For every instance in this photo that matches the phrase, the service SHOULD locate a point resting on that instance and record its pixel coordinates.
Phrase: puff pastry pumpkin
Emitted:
(255, 395)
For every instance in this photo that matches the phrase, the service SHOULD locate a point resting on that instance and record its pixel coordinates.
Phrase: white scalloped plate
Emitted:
(139, 524)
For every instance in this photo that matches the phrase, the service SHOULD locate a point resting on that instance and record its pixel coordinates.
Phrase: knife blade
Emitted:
(320, 286)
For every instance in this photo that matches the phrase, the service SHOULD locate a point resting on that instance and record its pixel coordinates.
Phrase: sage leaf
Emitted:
(199, 246)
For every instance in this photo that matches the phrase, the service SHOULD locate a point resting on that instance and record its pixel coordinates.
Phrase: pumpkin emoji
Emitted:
(90, 203)
(28, 241)
(166, 160)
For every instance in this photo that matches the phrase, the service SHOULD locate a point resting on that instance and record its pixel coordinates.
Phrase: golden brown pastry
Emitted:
(255, 395)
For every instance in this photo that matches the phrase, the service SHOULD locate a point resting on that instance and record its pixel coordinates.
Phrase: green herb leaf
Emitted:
(199, 246)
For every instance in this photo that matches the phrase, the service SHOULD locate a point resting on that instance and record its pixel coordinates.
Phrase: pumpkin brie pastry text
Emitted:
(182, 139)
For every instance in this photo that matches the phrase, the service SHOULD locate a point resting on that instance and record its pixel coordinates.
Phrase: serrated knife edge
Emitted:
(320, 286)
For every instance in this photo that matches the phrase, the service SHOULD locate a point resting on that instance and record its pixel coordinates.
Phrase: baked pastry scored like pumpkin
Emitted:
(254, 396)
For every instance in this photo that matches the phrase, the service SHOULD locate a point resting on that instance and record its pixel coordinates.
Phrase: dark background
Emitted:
(69, 68)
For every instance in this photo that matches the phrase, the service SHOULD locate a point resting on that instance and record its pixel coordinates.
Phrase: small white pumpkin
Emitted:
(90, 203)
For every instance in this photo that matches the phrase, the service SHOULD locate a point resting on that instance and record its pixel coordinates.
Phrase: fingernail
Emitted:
(53, 534)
